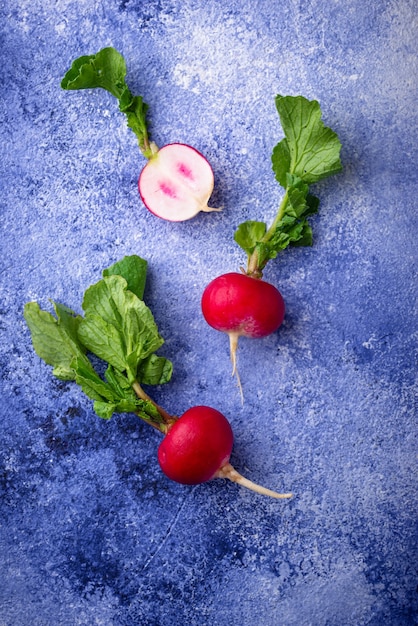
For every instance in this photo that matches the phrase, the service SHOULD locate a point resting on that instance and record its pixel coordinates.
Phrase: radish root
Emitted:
(229, 472)
(233, 345)
(208, 209)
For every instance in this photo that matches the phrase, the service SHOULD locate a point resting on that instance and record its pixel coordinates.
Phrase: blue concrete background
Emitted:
(91, 532)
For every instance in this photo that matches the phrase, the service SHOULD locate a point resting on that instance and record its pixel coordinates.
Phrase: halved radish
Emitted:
(176, 183)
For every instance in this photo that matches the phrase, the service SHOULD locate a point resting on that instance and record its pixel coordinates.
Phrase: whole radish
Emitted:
(242, 306)
(197, 448)
(245, 305)
(119, 329)
(177, 181)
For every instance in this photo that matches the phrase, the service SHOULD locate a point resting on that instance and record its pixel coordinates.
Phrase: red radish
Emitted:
(197, 448)
(176, 183)
(242, 306)
(309, 152)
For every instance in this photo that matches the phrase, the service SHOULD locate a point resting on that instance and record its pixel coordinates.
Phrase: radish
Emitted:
(244, 304)
(119, 330)
(177, 181)
(197, 448)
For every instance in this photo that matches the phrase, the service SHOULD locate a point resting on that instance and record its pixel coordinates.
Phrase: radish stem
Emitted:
(150, 149)
(253, 268)
(168, 419)
(229, 472)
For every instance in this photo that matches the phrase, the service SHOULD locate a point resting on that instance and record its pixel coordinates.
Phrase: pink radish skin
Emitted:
(237, 303)
(242, 306)
(197, 448)
(176, 183)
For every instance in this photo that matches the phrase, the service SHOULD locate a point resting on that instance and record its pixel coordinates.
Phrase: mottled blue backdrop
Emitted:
(91, 532)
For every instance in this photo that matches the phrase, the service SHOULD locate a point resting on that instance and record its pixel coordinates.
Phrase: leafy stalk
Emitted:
(119, 329)
(107, 70)
(309, 152)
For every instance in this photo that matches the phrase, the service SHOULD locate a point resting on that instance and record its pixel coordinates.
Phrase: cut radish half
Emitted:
(176, 183)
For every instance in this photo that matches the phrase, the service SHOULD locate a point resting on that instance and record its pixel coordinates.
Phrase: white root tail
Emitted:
(233, 346)
(229, 472)
(209, 209)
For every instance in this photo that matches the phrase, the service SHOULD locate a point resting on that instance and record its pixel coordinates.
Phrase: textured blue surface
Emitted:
(91, 533)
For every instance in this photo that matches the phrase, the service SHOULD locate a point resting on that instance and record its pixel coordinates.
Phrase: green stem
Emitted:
(168, 420)
(148, 148)
(254, 268)
(279, 216)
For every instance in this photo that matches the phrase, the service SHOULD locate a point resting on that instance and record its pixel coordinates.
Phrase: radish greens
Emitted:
(309, 152)
(119, 329)
(107, 69)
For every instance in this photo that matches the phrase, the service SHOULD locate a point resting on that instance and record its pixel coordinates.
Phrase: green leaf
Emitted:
(114, 394)
(136, 113)
(55, 340)
(134, 270)
(297, 204)
(118, 327)
(91, 383)
(281, 162)
(289, 230)
(304, 237)
(290, 227)
(248, 234)
(104, 410)
(140, 330)
(312, 205)
(119, 383)
(104, 340)
(124, 400)
(264, 252)
(155, 370)
(310, 150)
(107, 70)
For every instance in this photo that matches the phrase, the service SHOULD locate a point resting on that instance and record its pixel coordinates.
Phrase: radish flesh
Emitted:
(176, 183)
(197, 448)
(242, 306)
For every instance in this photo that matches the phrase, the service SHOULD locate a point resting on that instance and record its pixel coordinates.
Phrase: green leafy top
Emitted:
(134, 271)
(309, 152)
(107, 69)
(118, 328)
